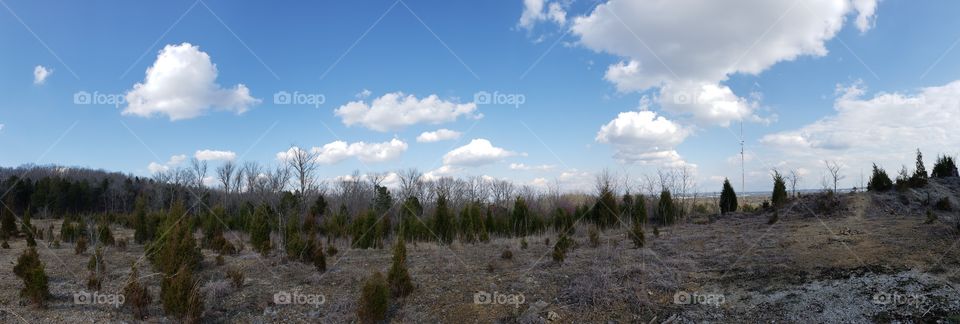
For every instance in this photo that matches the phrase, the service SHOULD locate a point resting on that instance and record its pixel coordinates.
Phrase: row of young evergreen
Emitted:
(943, 168)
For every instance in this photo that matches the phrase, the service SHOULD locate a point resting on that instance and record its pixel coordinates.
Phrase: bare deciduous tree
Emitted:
(794, 178)
(411, 183)
(833, 172)
(199, 171)
(303, 163)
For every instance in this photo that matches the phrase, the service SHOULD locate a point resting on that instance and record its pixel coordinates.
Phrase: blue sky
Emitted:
(790, 73)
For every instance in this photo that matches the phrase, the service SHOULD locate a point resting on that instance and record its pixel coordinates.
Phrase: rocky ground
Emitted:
(875, 258)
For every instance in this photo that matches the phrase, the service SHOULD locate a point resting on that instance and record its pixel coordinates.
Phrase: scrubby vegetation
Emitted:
(31, 271)
(374, 300)
(176, 222)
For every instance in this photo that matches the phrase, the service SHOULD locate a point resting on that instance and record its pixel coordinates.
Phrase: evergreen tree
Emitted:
(520, 218)
(919, 178)
(666, 211)
(779, 197)
(398, 277)
(638, 213)
(180, 295)
(636, 234)
(260, 230)
(410, 224)
(382, 200)
(728, 198)
(879, 180)
(442, 223)
(945, 167)
(319, 206)
(141, 233)
(606, 209)
(31, 271)
(8, 223)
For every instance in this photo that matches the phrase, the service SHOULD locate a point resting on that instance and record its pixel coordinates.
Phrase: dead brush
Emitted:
(236, 277)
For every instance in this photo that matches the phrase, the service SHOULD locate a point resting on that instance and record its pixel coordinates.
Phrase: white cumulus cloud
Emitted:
(214, 155)
(174, 161)
(687, 48)
(478, 152)
(337, 151)
(885, 128)
(40, 74)
(442, 134)
(642, 136)
(535, 11)
(524, 167)
(396, 110)
(181, 84)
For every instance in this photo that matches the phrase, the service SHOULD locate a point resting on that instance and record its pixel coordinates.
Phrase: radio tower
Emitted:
(742, 170)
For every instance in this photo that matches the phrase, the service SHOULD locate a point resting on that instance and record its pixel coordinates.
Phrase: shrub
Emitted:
(319, 259)
(944, 204)
(594, 236)
(728, 198)
(94, 281)
(779, 197)
(656, 231)
(104, 235)
(520, 218)
(5, 245)
(180, 295)
(506, 255)
(374, 300)
(930, 217)
(442, 222)
(945, 167)
(919, 177)
(666, 210)
(81, 245)
(219, 260)
(97, 262)
(8, 223)
(136, 296)
(606, 210)
(523, 243)
(331, 250)
(827, 203)
(178, 248)
(140, 234)
(561, 247)
(260, 230)
(367, 231)
(774, 217)
(398, 276)
(637, 235)
(236, 277)
(122, 244)
(30, 241)
(30, 269)
(879, 181)
(639, 211)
